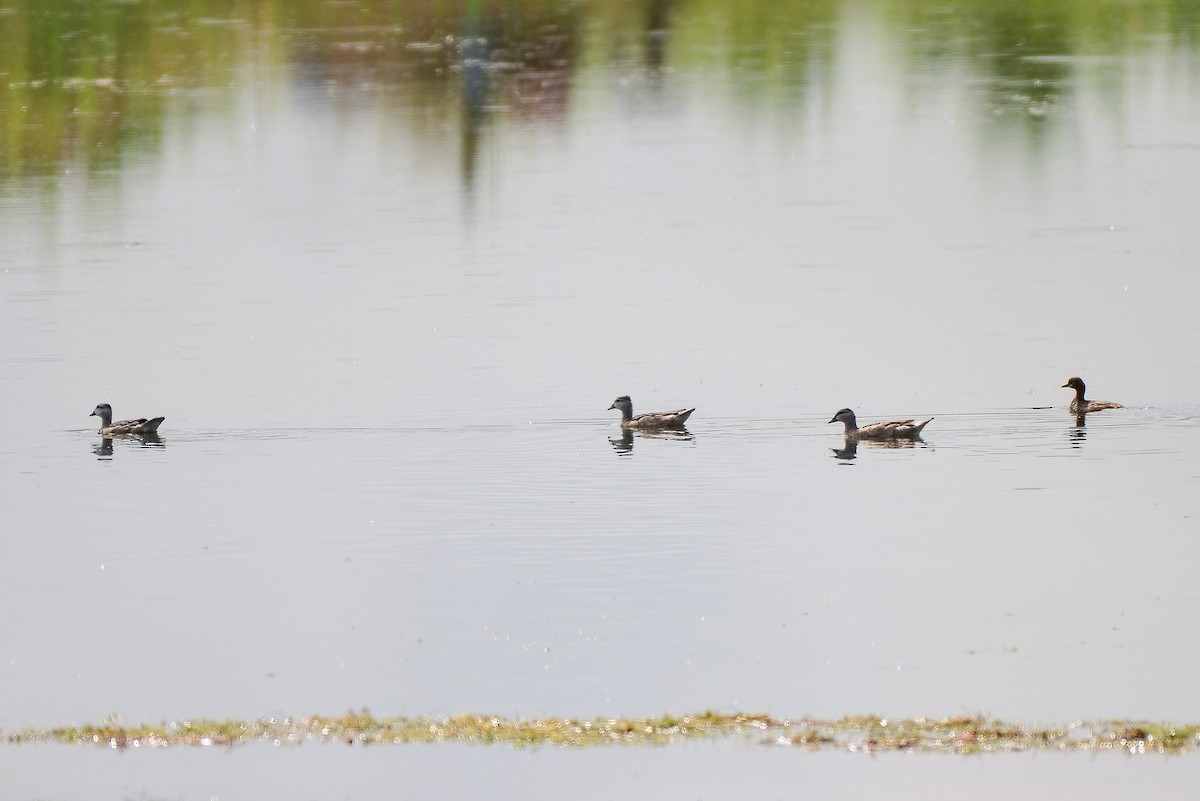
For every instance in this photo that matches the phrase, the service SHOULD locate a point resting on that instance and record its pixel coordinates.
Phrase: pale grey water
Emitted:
(387, 478)
(691, 771)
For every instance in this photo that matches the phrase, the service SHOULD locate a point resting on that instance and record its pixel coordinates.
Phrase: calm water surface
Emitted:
(383, 272)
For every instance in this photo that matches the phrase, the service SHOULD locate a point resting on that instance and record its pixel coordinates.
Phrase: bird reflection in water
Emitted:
(1077, 433)
(849, 451)
(624, 443)
(104, 450)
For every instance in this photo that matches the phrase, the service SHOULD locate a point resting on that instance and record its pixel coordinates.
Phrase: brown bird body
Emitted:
(890, 429)
(108, 428)
(672, 419)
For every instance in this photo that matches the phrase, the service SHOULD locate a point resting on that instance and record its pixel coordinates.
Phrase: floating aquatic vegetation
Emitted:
(868, 734)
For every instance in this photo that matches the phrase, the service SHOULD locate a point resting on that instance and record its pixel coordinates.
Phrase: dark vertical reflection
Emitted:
(658, 27)
(474, 54)
(518, 58)
(1077, 434)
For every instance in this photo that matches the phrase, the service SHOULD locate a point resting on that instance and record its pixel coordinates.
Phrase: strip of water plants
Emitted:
(867, 734)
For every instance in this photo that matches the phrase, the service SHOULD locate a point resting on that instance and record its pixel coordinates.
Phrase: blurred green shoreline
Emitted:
(85, 85)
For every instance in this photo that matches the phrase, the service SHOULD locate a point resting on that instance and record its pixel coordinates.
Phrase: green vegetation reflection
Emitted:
(871, 734)
(83, 84)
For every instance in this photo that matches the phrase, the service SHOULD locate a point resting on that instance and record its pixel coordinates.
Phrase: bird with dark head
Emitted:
(889, 429)
(672, 419)
(139, 426)
(1079, 404)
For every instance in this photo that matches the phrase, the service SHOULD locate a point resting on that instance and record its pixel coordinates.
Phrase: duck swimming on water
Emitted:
(891, 429)
(672, 419)
(1080, 405)
(139, 426)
